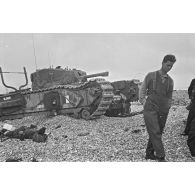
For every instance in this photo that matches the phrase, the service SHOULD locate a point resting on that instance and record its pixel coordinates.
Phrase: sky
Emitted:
(125, 55)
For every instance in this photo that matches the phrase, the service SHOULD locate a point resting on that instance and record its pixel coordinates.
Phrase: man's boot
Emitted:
(160, 159)
(184, 134)
(150, 156)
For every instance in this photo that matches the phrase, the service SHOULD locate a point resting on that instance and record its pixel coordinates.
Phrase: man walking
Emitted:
(156, 96)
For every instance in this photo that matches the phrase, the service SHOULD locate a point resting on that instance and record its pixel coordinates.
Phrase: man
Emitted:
(191, 138)
(191, 107)
(156, 96)
(24, 132)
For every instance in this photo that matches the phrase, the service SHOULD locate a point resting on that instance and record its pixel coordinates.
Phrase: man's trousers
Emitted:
(155, 124)
(191, 116)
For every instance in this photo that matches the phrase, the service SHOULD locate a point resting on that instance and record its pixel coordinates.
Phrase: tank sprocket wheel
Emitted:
(85, 114)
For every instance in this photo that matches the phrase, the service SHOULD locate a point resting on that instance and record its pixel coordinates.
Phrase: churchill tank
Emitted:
(58, 91)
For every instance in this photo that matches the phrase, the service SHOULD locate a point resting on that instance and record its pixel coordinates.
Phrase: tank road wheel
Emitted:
(85, 114)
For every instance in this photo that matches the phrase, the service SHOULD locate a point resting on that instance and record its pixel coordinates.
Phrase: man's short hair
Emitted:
(170, 58)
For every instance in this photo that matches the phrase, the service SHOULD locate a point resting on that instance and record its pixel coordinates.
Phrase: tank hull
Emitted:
(86, 100)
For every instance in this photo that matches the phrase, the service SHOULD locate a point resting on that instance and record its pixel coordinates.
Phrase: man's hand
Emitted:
(170, 103)
(143, 101)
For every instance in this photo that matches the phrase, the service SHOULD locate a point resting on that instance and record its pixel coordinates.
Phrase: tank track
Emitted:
(105, 101)
(107, 97)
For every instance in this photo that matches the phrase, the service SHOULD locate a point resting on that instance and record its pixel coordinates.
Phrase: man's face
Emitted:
(166, 66)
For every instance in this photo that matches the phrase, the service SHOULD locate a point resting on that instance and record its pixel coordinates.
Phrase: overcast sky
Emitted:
(125, 56)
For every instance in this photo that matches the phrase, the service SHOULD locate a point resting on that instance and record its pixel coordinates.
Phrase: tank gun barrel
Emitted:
(102, 74)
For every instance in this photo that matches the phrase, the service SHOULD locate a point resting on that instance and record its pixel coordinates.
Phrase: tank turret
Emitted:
(45, 78)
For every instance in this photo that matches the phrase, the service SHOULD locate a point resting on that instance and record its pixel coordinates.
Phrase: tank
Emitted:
(58, 91)
(50, 77)
(125, 92)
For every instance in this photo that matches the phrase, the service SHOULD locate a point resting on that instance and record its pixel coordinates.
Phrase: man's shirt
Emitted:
(191, 87)
(150, 85)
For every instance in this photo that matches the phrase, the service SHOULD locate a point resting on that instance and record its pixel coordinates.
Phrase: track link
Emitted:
(104, 102)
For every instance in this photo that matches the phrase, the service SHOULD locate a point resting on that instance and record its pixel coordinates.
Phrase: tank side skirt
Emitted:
(105, 101)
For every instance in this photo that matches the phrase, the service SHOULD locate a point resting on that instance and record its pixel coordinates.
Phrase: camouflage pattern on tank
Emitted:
(58, 91)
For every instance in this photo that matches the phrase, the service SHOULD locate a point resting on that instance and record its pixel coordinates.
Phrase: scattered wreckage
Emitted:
(125, 92)
(23, 132)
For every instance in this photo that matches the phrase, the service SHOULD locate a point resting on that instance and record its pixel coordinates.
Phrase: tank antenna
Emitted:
(34, 51)
(49, 59)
